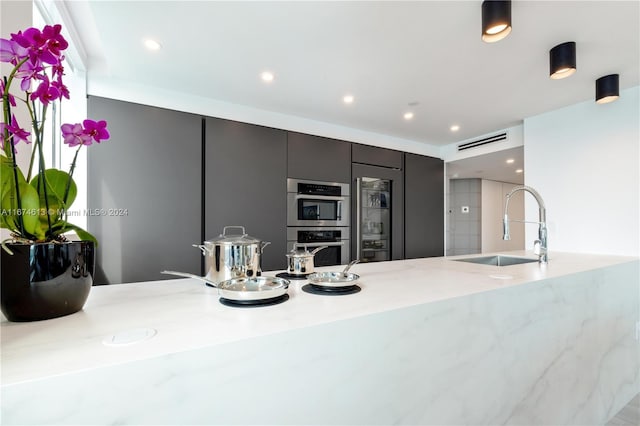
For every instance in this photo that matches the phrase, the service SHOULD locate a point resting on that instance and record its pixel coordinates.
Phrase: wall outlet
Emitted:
(464, 209)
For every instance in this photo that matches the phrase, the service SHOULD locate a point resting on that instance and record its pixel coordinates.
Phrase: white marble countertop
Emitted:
(185, 314)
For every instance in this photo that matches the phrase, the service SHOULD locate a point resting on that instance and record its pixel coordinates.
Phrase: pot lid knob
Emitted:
(296, 248)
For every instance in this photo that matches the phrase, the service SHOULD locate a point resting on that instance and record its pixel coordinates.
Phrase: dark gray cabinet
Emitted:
(424, 206)
(144, 192)
(245, 184)
(373, 155)
(167, 180)
(317, 158)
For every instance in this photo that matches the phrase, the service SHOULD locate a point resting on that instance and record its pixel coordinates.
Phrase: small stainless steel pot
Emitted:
(232, 255)
(300, 262)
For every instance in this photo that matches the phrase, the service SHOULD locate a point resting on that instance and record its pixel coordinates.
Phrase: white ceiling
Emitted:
(388, 54)
(491, 166)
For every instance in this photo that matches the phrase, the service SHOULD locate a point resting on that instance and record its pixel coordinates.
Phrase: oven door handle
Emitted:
(336, 244)
(320, 197)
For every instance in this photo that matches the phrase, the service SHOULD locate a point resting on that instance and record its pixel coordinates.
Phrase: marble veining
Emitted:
(445, 345)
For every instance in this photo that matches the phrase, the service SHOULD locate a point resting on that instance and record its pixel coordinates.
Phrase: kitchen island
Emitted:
(426, 341)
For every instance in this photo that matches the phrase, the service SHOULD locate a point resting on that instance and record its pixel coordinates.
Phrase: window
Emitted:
(72, 110)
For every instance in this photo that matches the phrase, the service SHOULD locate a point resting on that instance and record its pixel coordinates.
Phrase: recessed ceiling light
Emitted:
(519, 171)
(152, 44)
(267, 76)
(454, 128)
(408, 115)
(347, 99)
(510, 161)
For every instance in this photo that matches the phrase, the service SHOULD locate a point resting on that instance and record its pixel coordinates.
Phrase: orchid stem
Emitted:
(42, 180)
(71, 169)
(7, 111)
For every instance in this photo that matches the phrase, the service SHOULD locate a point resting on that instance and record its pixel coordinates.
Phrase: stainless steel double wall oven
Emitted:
(318, 215)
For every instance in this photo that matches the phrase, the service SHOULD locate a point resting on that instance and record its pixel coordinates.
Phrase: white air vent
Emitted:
(484, 141)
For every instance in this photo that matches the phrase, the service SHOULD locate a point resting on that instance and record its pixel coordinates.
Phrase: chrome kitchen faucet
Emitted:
(539, 245)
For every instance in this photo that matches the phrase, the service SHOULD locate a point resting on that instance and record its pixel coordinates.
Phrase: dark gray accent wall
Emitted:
(246, 184)
(149, 173)
(424, 206)
(317, 158)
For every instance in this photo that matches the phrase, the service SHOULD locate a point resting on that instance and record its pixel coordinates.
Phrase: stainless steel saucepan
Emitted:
(300, 262)
(243, 289)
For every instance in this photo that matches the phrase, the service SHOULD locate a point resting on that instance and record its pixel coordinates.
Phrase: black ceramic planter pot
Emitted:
(45, 280)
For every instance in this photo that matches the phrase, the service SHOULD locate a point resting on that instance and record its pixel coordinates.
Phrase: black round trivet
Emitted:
(254, 303)
(331, 291)
(292, 276)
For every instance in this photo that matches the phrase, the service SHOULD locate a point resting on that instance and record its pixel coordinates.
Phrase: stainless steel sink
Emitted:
(498, 260)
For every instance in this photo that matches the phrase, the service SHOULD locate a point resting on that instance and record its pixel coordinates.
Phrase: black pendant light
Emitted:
(496, 20)
(607, 88)
(562, 60)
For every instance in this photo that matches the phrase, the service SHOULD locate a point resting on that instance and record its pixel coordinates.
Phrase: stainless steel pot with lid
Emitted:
(232, 255)
(300, 262)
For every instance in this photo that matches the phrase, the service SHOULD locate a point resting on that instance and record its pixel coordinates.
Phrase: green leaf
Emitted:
(30, 210)
(82, 234)
(56, 185)
(57, 182)
(7, 178)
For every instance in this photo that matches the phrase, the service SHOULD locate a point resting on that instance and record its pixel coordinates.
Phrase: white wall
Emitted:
(584, 161)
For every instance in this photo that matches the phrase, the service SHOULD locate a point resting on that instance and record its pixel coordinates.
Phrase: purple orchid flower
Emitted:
(11, 52)
(64, 91)
(12, 99)
(57, 70)
(28, 72)
(85, 133)
(55, 41)
(18, 133)
(29, 38)
(35, 42)
(45, 92)
(96, 129)
(74, 135)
